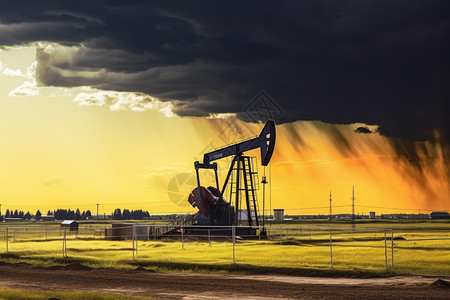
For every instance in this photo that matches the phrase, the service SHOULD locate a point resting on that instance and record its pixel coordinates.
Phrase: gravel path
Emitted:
(212, 286)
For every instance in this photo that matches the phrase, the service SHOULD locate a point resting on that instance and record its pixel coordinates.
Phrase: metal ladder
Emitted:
(251, 180)
(253, 183)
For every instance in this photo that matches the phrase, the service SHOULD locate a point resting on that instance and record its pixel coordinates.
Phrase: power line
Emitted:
(317, 207)
(397, 208)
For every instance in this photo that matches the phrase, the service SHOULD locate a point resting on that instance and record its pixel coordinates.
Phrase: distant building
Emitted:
(14, 220)
(243, 215)
(71, 224)
(439, 215)
(47, 218)
(372, 215)
(278, 214)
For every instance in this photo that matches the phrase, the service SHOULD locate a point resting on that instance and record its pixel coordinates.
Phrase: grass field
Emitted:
(13, 294)
(419, 248)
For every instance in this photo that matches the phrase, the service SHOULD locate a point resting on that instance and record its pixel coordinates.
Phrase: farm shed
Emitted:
(124, 231)
(71, 224)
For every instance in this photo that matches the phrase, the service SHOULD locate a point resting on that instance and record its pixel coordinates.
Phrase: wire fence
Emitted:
(367, 249)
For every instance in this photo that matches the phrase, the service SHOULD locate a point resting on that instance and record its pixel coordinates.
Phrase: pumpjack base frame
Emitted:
(242, 166)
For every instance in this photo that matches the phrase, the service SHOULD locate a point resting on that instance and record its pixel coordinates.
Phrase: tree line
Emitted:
(126, 214)
(68, 214)
(20, 214)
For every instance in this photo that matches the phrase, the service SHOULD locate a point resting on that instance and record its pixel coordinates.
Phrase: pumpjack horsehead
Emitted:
(213, 208)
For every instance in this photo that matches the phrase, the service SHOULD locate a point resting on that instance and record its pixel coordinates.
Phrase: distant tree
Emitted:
(88, 213)
(16, 214)
(83, 215)
(27, 216)
(117, 215)
(71, 215)
(138, 214)
(126, 215)
(49, 213)
(77, 214)
(61, 214)
(21, 214)
(7, 213)
(38, 214)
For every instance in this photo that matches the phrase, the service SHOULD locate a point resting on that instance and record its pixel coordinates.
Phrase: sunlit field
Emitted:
(12, 294)
(290, 248)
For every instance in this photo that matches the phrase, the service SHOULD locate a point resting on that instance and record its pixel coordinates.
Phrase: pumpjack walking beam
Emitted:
(265, 141)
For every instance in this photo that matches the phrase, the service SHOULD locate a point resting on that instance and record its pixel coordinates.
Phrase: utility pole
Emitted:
(353, 208)
(97, 210)
(270, 190)
(331, 211)
(264, 182)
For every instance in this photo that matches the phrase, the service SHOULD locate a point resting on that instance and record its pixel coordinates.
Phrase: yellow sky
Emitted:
(55, 153)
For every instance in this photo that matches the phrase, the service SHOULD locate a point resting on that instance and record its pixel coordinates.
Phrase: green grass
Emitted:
(401, 224)
(14, 294)
(425, 257)
(295, 251)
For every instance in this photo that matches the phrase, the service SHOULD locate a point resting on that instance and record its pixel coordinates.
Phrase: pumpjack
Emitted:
(213, 208)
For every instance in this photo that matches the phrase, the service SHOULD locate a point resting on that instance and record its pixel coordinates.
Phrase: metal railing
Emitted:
(288, 246)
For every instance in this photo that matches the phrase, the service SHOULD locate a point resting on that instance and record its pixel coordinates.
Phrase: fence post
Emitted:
(281, 235)
(64, 244)
(7, 239)
(392, 250)
(182, 237)
(135, 239)
(331, 250)
(132, 245)
(233, 230)
(385, 251)
(132, 239)
(209, 237)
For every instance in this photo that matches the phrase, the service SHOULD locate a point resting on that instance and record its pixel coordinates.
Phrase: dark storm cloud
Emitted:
(377, 62)
(363, 130)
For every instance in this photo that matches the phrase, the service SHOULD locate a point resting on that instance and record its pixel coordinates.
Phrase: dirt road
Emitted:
(200, 286)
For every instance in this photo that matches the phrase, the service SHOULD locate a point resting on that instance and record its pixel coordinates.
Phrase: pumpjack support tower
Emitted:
(213, 208)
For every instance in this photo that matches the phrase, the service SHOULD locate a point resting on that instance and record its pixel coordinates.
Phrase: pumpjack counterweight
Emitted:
(210, 201)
